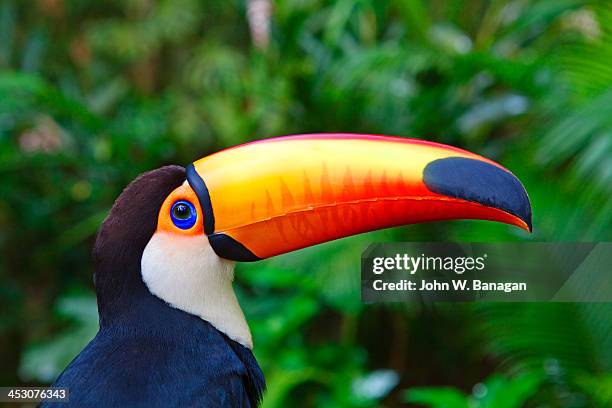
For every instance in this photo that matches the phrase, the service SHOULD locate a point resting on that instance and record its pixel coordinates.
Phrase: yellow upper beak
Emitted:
(277, 195)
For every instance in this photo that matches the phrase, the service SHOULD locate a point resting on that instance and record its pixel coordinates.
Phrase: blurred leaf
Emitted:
(437, 397)
(599, 387)
(557, 335)
(495, 392)
(44, 361)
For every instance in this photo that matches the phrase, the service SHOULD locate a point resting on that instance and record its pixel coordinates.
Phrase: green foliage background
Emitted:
(93, 93)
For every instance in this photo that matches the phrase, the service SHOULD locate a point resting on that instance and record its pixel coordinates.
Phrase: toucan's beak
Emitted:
(277, 195)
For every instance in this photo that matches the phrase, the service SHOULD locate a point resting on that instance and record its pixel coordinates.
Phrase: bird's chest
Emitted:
(152, 372)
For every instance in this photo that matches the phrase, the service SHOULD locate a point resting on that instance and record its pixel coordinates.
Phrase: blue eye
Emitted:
(183, 214)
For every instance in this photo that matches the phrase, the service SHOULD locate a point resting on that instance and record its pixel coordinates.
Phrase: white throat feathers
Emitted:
(187, 274)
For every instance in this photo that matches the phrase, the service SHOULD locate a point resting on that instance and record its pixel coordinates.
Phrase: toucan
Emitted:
(172, 333)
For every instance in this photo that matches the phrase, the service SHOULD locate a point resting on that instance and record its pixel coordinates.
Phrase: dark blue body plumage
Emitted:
(163, 358)
(148, 353)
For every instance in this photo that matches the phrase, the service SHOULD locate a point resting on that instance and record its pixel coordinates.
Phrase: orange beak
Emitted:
(277, 195)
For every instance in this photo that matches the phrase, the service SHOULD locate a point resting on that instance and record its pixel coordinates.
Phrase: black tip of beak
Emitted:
(481, 182)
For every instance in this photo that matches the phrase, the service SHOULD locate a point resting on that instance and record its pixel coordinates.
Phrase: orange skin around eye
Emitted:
(164, 220)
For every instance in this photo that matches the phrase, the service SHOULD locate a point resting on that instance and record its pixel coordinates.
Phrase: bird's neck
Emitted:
(174, 271)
